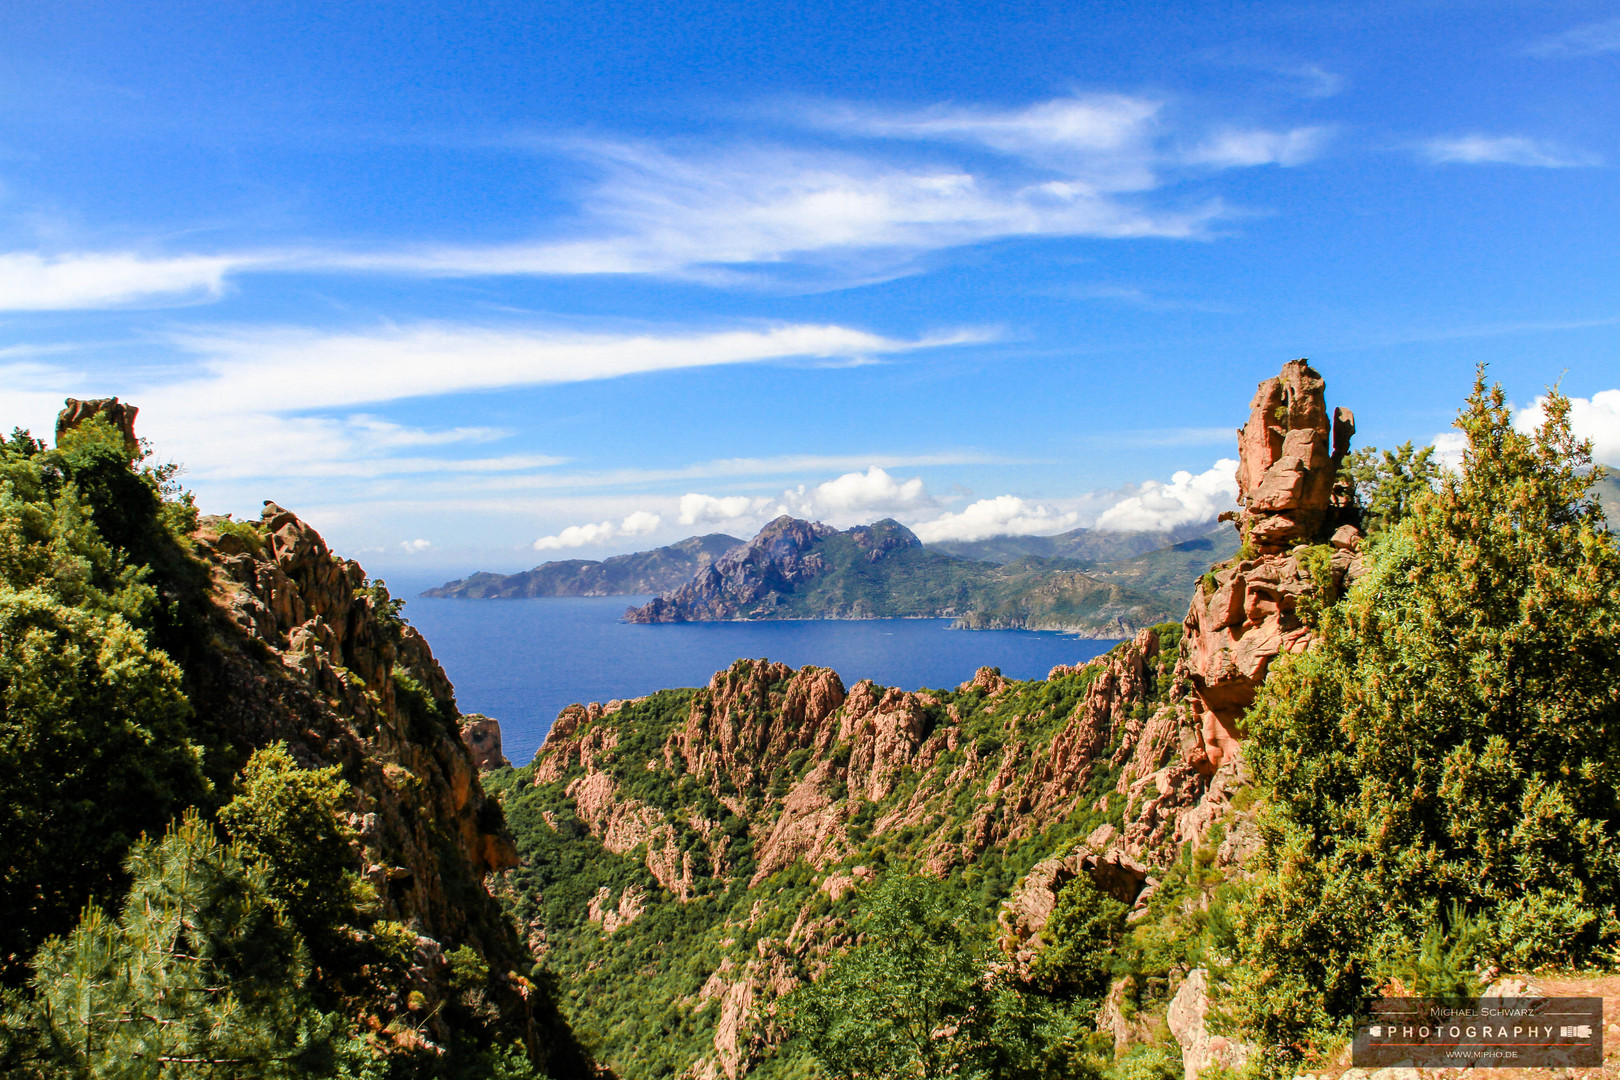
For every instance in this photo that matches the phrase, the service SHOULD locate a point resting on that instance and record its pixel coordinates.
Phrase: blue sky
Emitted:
(452, 280)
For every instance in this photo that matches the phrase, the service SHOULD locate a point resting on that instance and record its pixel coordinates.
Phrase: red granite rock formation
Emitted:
(1247, 613)
(482, 734)
(1289, 458)
(117, 413)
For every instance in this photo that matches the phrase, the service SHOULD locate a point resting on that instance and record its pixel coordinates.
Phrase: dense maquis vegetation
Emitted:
(169, 911)
(1434, 796)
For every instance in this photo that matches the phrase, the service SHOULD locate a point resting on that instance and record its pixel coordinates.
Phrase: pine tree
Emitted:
(200, 975)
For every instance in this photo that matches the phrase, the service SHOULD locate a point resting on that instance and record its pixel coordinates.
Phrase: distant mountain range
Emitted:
(1607, 490)
(806, 570)
(636, 574)
(1083, 545)
(1101, 584)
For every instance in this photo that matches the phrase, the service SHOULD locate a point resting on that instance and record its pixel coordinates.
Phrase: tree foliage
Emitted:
(1388, 482)
(910, 1001)
(287, 818)
(1080, 937)
(1448, 755)
(94, 739)
(200, 975)
(93, 750)
(916, 999)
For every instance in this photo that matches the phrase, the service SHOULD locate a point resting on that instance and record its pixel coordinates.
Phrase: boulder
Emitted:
(1200, 1048)
(482, 734)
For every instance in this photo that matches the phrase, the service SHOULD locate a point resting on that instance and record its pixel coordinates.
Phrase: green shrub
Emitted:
(1452, 743)
(1080, 937)
(94, 750)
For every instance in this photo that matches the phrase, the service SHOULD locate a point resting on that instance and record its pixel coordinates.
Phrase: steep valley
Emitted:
(1357, 765)
(692, 856)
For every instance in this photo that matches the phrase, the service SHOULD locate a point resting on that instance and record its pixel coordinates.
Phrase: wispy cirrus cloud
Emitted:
(899, 184)
(1236, 148)
(1589, 39)
(1110, 142)
(284, 369)
(293, 402)
(1106, 141)
(1069, 167)
(690, 214)
(30, 281)
(1479, 149)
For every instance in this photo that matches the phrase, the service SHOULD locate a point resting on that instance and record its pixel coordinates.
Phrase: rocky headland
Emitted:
(797, 569)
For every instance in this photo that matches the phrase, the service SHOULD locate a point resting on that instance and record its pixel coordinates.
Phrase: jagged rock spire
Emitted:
(1289, 458)
(1244, 614)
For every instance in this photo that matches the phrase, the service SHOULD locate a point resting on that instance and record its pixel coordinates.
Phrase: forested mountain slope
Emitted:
(156, 665)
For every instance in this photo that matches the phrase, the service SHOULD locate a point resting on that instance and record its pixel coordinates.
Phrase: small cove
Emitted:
(521, 661)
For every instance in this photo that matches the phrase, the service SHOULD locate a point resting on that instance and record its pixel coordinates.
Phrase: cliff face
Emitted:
(302, 651)
(748, 581)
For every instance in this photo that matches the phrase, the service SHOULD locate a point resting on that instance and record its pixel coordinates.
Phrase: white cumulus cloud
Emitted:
(640, 523)
(1185, 500)
(1004, 515)
(697, 509)
(637, 523)
(857, 497)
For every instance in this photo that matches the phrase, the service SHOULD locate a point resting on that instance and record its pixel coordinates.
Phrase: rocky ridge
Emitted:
(308, 652)
(281, 641)
(763, 802)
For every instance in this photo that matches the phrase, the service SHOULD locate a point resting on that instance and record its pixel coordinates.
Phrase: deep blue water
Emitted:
(521, 661)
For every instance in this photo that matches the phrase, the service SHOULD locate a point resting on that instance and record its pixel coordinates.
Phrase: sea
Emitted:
(522, 661)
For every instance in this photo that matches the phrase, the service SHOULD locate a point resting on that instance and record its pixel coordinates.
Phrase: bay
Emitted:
(522, 661)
